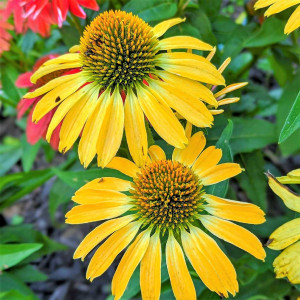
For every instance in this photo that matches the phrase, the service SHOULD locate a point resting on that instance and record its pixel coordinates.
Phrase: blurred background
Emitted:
(37, 182)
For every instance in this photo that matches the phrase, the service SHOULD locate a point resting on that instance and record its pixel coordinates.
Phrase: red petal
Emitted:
(23, 81)
(23, 106)
(76, 9)
(91, 4)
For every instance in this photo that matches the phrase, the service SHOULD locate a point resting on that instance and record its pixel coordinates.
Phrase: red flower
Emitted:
(5, 37)
(38, 15)
(34, 132)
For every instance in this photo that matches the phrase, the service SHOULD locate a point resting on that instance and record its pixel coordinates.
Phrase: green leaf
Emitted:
(9, 155)
(13, 294)
(211, 7)
(220, 189)
(14, 286)
(292, 122)
(77, 179)
(291, 145)
(29, 153)
(271, 32)
(152, 10)
(28, 273)
(12, 254)
(70, 35)
(253, 180)
(26, 234)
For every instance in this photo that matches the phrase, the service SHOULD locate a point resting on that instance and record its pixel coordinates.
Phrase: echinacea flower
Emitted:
(287, 236)
(167, 199)
(36, 131)
(38, 15)
(119, 52)
(277, 6)
(5, 36)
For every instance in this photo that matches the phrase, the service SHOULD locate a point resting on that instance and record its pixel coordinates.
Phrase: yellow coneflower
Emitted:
(119, 54)
(277, 6)
(287, 236)
(166, 199)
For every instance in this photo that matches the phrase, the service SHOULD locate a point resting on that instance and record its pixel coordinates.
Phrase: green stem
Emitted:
(76, 23)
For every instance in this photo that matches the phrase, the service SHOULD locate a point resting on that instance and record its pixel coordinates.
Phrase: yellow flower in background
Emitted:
(166, 199)
(277, 6)
(122, 56)
(287, 236)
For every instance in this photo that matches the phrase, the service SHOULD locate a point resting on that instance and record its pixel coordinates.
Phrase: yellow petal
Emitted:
(224, 65)
(150, 272)
(228, 101)
(290, 199)
(51, 85)
(162, 27)
(191, 66)
(190, 107)
(108, 251)
(76, 117)
(234, 210)
(128, 263)
(101, 232)
(107, 183)
(285, 235)
(111, 131)
(211, 264)
(181, 281)
(192, 87)
(263, 3)
(293, 22)
(90, 196)
(211, 54)
(65, 58)
(88, 143)
(279, 6)
(124, 165)
(215, 112)
(235, 235)
(156, 153)
(230, 88)
(55, 97)
(87, 213)
(184, 42)
(207, 159)
(74, 49)
(287, 264)
(162, 119)
(135, 129)
(220, 172)
(64, 108)
(292, 177)
(188, 155)
(42, 71)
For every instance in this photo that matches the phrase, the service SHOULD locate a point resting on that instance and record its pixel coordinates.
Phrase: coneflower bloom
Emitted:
(34, 132)
(277, 6)
(119, 53)
(287, 236)
(38, 15)
(5, 36)
(166, 199)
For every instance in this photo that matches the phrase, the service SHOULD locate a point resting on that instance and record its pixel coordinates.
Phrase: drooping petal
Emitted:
(209, 158)
(234, 234)
(90, 196)
(23, 81)
(162, 27)
(184, 42)
(230, 88)
(111, 131)
(290, 199)
(128, 263)
(124, 165)
(181, 281)
(108, 251)
(292, 177)
(64, 58)
(101, 232)
(285, 235)
(293, 22)
(87, 213)
(234, 210)
(162, 119)
(135, 129)
(287, 264)
(156, 153)
(263, 3)
(150, 272)
(107, 183)
(279, 6)
(211, 264)
(188, 155)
